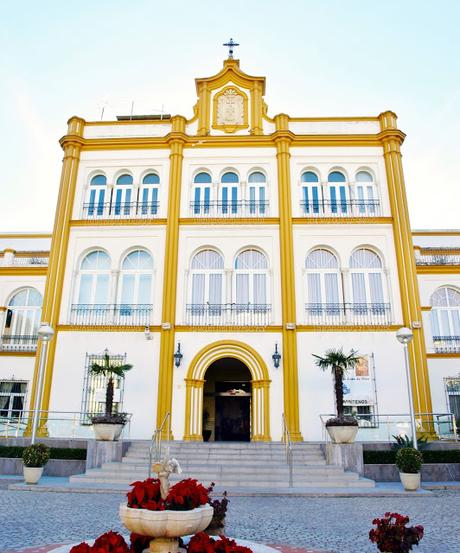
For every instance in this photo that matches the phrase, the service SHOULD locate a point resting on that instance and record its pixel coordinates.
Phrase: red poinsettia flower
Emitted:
(146, 495)
(201, 543)
(110, 542)
(186, 495)
(81, 548)
(393, 535)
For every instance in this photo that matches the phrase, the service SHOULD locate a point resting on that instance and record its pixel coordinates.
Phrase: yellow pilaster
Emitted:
(290, 372)
(165, 377)
(71, 144)
(392, 139)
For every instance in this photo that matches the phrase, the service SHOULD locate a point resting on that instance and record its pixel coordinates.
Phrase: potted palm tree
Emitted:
(109, 426)
(342, 429)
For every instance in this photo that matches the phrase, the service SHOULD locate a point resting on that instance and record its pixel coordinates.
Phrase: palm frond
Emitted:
(336, 359)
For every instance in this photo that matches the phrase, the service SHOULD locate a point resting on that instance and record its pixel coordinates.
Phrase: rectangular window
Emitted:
(12, 398)
(94, 387)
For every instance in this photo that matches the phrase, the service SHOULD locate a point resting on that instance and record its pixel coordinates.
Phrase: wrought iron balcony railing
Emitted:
(121, 210)
(446, 344)
(341, 208)
(438, 259)
(359, 314)
(231, 314)
(229, 209)
(24, 261)
(19, 342)
(111, 314)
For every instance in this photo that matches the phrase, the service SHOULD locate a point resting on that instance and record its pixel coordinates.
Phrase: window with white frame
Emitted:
(251, 278)
(136, 279)
(338, 201)
(12, 398)
(97, 195)
(121, 202)
(201, 193)
(95, 385)
(367, 277)
(311, 193)
(257, 191)
(94, 279)
(148, 194)
(324, 286)
(445, 313)
(229, 192)
(22, 318)
(366, 194)
(207, 278)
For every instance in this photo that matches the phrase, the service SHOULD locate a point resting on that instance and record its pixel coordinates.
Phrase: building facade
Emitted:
(216, 254)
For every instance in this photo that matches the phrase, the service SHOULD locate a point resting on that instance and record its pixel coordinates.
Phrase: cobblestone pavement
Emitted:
(338, 525)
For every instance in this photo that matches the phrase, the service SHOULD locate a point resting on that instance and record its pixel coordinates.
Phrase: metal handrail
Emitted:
(288, 448)
(156, 446)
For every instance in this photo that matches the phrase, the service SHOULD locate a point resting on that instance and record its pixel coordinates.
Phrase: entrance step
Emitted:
(259, 465)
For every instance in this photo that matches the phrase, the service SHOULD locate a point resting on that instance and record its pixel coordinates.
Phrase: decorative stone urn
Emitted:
(107, 432)
(410, 481)
(166, 527)
(32, 474)
(342, 434)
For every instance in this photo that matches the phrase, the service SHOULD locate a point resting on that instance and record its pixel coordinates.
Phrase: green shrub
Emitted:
(15, 452)
(36, 455)
(377, 457)
(409, 460)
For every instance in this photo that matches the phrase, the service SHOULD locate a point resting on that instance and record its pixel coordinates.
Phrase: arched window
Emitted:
(311, 192)
(366, 197)
(257, 193)
(445, 315)
(22, 319)
(96, 198)
(94, 278)
(323, 282)
(229, 193)
(121, 204)
(136, 279)
(201, 204)
(149, 194)
(207, 278)
(338, 193)
(251, 276)
(367, 278)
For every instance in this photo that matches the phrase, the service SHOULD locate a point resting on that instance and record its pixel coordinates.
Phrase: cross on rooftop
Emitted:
(230, 45)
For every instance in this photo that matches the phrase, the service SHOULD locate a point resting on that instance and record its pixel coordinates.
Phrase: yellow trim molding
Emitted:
(342, 220)
(442, 355)
(17, 353)
(107, 328)
(225, 221)
(194, 384)
(25, 235)
(438, 269)
(345, 328)
(436, 233)
(117, 222)
(23, 270)
(228, 328)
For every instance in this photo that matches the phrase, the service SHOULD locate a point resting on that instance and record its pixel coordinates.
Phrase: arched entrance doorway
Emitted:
(232, 370)
(227, 401)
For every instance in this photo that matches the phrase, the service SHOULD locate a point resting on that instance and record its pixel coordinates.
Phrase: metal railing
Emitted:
(119, 314)
(24, 261)
(382, 428)
(156, 447)
(233, 314)
(18, 342)
(59, 424)
(339, 208)
(446, 344)
(437, 259)
(360, 314)
(121, 210)
(286, 437)
(219, 209)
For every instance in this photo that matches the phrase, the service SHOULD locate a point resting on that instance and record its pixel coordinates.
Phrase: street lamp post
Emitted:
(45, 333)
(404, 336)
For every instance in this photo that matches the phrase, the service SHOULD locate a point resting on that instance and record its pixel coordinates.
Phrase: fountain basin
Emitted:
(166, 524)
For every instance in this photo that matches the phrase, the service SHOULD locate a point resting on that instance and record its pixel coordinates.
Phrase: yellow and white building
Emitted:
(198, 249)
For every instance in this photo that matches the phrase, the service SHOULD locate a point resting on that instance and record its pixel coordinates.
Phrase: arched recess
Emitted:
(194, 383)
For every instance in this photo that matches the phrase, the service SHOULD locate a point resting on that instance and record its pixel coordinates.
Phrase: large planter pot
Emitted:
(165, 526)
(107, 432)
(342, 434)
(410, 481)
(32, 474)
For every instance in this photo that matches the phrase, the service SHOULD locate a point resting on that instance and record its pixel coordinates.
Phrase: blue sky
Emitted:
(328, 57)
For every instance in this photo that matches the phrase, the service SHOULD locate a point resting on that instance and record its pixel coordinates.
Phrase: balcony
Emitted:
(111, 314)
(348, 314)
(29, 261)
(341, 209)
(19, 342)
(438, 258)
(229, 210)
(123, 210)
(446, 344)
(228, 314)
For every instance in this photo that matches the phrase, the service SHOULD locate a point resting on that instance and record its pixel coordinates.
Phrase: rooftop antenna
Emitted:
(230, 45)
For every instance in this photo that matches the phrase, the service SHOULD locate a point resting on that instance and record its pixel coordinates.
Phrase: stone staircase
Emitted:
(231, 465)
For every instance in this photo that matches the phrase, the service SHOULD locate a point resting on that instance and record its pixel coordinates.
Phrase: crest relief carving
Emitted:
(230, 110)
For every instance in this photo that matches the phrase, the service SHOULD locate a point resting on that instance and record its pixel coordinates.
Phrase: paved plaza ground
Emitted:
(338, 525)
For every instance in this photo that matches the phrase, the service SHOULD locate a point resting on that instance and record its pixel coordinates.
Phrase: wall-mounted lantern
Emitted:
(178, 356)
(276, 357)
